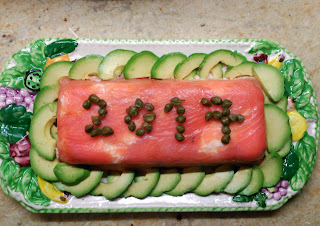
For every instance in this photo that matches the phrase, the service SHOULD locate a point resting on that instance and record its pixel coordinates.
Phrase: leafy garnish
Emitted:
(265, 47)
(308, 111)
(305, 96)
(4, 150)
(12, 78)
(259, 197)
(9, 171)
(14, 122)
(37, 53)
(290, 165)
(60, 47)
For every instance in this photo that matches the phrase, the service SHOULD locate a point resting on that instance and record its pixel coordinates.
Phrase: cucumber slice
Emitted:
(113, 189)
(43, 167)
(271, 167)
(282, 103)
(216, 71)
(271, 79)
(191, 177)
(169, 178)
(140, 64)
(278, 128)
(70, 175)
(187, 66)
(243, 69)
(113, 176)
(46, 95)
(54, 132)
(54, 73)
(224, 56)
(113, 63)
(84, 187)
(40, 126)
(215, 181)
(284, 151)
(143, 187)
(240, 180)
(256, 182)
(165, 65)
(85, 67)
(191, 75)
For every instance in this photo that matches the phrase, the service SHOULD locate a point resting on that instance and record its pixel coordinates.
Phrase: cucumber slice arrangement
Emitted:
(247, 180)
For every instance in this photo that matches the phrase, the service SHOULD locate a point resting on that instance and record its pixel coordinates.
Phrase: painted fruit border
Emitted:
(169, 209)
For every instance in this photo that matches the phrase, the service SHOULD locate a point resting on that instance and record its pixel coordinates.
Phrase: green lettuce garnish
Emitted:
(265, 47)
(259, 197)
(60, 47)
(290, 165)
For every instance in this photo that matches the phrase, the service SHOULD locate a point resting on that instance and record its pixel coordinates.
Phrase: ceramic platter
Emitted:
(21, 183)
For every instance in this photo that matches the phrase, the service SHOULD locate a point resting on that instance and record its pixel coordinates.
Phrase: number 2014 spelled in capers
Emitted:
(132, 111)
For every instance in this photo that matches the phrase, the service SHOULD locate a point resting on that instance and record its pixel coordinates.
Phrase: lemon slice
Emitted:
(275, 62)
(298, 125)
(51, 192)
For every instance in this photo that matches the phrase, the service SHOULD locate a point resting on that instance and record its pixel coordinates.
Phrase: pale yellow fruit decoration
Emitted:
(298, 125)
(51, 192)
(275, 62)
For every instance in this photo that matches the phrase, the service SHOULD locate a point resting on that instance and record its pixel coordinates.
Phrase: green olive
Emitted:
(127, 119)
(95, 132)
(240, 118)
(180, 128)
(107, 131)
(175, 101)
(208, 116)
(168, 107)
(88, 128)
(226, 130)
(226, 103)
(225, 139)
(102, 103)
(86, 104)
(139, 103)
(102, 112)
(140, 132)
(132, 126)
(148, 107)
(180, 110)
(205, 102)
(133, 111)
(225, 121)
(93, 98)
(147, 126)
(180, 119)
(179, 137)
(226, 112)
(233, 117)
(149, 117)
(96, 120)
(217, 115)
(216, 100)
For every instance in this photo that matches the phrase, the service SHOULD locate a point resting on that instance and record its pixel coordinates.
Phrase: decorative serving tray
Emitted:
(20, 182)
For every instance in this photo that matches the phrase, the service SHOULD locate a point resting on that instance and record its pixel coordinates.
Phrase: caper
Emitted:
(107, 131)
(168, 107)
(180, 128)
(226, 111)
(225, 121)
(140, 132)
(102, 112)
(226, 103)
(93, 98)
(208, 116)
(102, 103)
(180, 119)
(240, 118)
(217, 115)
(133, 111)
(149, 117)
(96, 120)
(86, 104)
(179, 137)
(180, 110)
(88, 128)
(139, 103)
(216, 100)
(205, 102)
(226, 130)
(225, 139)
(233, 117)
(148, 106)
(175, 101)
(132, 126)
(95, 132)
(147, 126)
(127, 119)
